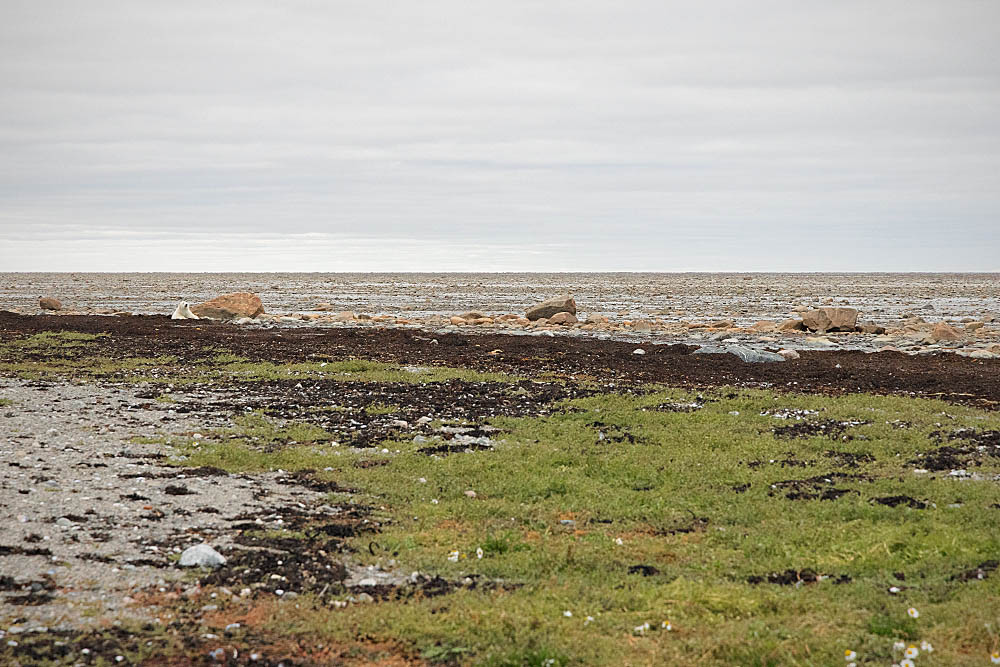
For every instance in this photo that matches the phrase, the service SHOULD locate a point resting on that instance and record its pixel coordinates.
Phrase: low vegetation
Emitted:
(761, 528)
(646, 526)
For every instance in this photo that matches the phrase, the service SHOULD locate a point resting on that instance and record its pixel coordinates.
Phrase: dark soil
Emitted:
(830, 428)
(896, 501)
(947, 376)
(973, 449)
(981, 571)
(784, 463)
(850, 459)
(796, 577)
(820, 487)
(452, 401)
(30, 593)
(445, 449)
(184, 643)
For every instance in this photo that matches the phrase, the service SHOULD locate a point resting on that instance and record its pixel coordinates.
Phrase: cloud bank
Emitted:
(326, 136)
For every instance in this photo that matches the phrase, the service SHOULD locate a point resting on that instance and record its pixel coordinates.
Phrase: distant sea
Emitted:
(745, 297)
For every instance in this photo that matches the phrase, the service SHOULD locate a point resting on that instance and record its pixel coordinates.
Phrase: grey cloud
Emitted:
(616, 135)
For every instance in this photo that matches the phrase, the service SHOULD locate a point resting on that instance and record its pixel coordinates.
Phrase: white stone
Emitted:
(201, 555)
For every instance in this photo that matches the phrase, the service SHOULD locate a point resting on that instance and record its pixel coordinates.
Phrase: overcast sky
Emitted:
(504, 135)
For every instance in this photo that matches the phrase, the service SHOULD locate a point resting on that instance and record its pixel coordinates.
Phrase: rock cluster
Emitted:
(49, 303)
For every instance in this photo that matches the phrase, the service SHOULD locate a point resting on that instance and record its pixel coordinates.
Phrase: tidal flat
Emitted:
(403, 496)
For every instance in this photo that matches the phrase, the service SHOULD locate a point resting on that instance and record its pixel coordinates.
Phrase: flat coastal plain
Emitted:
(384, 491)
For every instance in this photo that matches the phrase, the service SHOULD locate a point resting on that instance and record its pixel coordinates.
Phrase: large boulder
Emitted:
(560, 304)
(830, 319)
(48, 303)
(230, 306)
(942, 331)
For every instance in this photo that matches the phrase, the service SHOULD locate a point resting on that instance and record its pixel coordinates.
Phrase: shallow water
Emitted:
(745, 298)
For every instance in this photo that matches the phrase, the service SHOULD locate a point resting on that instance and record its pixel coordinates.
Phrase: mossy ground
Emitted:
(614, 509)
(617, 510)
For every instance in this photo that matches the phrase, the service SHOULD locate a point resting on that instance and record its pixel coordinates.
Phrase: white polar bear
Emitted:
(183, 312)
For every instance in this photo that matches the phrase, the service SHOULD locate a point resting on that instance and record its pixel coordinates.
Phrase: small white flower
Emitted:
(434, 501)
(898, 646)
(913, 612)
(479, 553)
(640, 629)
(906, 663)
(926, 647)
(453, 556)
(666, 625)
(894, 589)
(995, 657)
(618, 541)
(911, 651)
(852, 664)
(849, 655)
(568, 614)
(588, 620)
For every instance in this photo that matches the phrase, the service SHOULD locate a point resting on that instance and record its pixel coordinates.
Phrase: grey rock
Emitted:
(201, 555)
(747, 354)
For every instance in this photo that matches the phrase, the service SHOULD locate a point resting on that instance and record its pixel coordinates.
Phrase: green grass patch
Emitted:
(618, 509)
(50, 356)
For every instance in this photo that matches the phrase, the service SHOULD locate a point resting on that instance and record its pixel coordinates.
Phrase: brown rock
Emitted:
(457, 321)
(594, 318)
(343, 316)
(721, 324)
(974, 326)
(831, 319)
(943, 331)
(792, 325)
(48, 303)
(642, 326)
(765, 326)
(563, 318)
(230, 306)
(790, 355)
(869, 328)
(561, 304)
(472, 315)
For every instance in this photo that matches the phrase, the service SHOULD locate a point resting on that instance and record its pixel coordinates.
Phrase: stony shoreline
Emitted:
(912, 335)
